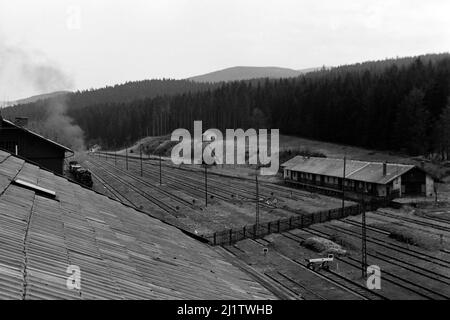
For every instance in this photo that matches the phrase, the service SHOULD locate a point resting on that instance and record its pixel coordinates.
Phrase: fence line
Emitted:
(230, 236)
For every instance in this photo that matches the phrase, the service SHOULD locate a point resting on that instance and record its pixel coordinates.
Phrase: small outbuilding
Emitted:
(17, 139)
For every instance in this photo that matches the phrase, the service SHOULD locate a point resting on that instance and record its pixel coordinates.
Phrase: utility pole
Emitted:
(343, 187)
(140, 156)
(206, 185)
(206, 172)
(160, 171)
(364, 241)
(257, 201)
(115, 158)
(126, 157)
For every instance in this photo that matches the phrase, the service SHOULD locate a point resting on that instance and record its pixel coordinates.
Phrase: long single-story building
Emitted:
(17, 139)
(377, 179)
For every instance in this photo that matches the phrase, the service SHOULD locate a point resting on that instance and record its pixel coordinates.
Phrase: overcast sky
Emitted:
(102, 42)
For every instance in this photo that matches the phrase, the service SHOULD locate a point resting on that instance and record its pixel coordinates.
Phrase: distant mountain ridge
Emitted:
(41, 97)
(34, 98)
(248, 73)
(36, 107)
(142, 89)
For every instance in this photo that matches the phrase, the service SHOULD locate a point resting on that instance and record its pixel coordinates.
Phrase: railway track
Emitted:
(437, 219)
(335, 278)
(112, 191)
(177, 183)
(421, 255)
(188, 185)
(304, 287)
(160, 204)
(394, 260)
(383, 212)
(237, 190)
(175, 197)
(397, 280)
(240, 186)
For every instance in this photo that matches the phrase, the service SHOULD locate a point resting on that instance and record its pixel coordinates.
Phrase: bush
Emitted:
(343, 241)
(323, 245)
(414, 238)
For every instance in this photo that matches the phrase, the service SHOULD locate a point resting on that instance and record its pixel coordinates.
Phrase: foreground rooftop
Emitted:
(122, 253)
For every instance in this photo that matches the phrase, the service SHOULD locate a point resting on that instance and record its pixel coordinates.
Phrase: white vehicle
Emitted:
(323, 263)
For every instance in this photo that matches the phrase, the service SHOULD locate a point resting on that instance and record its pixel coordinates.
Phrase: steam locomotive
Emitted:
(80, 174)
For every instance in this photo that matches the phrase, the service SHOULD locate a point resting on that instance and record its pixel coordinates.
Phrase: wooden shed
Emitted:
(32, 146)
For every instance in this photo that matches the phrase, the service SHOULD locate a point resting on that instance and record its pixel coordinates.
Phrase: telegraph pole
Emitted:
(115, 157)
(257, 200)
(343, 187)
(140, 156)
(126, 157)
(160, 171)
(206, 172)
(206, 185)
(364, 241)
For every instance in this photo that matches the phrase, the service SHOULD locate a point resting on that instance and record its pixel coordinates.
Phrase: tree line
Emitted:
(403, 108)
(397, 104)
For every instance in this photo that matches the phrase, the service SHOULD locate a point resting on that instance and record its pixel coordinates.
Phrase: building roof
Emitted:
(9, 123)
(122, 253)
(354, 169)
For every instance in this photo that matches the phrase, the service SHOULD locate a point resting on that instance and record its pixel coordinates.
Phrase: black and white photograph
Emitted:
(220, 155)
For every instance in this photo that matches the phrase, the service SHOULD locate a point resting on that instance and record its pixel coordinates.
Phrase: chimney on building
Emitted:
(21, 122)
(384, 169)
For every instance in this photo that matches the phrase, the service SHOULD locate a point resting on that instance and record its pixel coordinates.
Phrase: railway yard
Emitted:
(409, 245)
(180, 199)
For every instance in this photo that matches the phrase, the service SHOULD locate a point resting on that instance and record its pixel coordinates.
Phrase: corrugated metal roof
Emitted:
(354, 169)
(122, 253)
(36, 134)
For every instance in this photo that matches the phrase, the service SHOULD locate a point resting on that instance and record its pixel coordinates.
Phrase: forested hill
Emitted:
(137, 90)
(126, 92)
(397, 104)
(396, 107)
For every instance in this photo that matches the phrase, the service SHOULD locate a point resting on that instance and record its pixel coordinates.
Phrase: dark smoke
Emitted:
(24, 72)
(59, 127)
